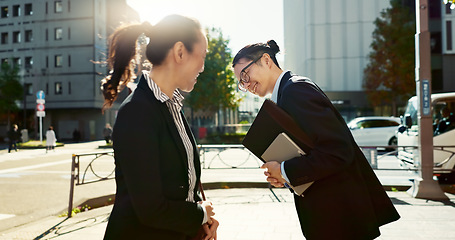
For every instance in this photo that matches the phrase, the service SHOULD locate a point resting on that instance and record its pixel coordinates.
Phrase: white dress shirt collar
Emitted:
(277, 87)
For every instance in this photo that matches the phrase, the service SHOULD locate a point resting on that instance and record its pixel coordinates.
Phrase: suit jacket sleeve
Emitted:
(312, 111)
(137, 153)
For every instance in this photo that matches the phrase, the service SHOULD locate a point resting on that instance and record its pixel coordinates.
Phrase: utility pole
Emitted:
(425, 187)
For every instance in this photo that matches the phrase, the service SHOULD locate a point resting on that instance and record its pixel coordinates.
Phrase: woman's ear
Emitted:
(178, 51)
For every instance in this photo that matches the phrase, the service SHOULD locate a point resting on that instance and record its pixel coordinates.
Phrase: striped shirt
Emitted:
(175, 106)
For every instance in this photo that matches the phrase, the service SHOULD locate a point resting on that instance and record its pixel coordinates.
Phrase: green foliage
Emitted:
(216, 87)
(76, 210)
(34, 144)
(389, 76)
(228, 138)
(11, 89)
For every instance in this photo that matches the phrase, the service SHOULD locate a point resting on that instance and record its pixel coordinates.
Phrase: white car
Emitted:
(375, 131)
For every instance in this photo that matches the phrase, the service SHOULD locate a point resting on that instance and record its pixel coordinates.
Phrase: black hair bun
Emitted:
(273, 46)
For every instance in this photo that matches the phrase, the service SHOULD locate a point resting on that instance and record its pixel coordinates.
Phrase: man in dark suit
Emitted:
(346, 200)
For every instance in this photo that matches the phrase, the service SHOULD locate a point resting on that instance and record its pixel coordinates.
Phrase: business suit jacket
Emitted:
(151, 173)
(346, 200)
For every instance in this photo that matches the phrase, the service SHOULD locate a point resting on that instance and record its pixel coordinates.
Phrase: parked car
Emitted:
(375, 131)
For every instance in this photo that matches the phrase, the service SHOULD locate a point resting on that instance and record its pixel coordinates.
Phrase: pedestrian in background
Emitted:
(51, 140)
(76, 135)
(157, 162)
(346, 200)
(13, 137)
(107, 133)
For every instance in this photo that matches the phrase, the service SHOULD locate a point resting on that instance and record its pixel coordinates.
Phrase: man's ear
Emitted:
(178, 51)
(268, 60)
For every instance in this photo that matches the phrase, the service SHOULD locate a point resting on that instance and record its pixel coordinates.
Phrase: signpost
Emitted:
(40, 111)
(424, 187)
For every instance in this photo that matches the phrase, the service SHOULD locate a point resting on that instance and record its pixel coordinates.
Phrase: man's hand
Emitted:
(273, 173)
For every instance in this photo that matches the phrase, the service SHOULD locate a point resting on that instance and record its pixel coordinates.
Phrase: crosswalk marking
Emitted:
(5, 216)
(18, 169)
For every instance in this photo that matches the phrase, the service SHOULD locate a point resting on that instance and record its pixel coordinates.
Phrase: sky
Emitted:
(243, 22)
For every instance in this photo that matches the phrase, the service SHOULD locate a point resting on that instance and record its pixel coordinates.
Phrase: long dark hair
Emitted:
(123, 49)
(254, 51)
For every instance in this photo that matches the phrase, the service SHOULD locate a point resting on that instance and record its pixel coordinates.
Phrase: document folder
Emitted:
(270, 122)
(282, 149)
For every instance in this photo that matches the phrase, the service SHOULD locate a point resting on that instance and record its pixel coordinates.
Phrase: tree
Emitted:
(389, 76)
(216, 87)
(11, 89)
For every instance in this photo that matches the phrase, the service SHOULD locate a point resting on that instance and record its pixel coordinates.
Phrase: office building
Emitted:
(59, 46)
(329, 42)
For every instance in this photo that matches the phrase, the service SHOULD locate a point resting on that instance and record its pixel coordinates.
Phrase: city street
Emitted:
(34, 184)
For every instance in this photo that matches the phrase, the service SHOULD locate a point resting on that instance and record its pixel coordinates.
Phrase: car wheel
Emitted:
(447, 178)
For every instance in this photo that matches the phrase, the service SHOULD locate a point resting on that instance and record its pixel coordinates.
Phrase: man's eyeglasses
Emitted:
(244, 77)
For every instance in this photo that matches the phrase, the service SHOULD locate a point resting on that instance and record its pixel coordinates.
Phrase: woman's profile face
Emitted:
(194, 64)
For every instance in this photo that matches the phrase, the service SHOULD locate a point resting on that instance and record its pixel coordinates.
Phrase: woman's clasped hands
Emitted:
(212, 224)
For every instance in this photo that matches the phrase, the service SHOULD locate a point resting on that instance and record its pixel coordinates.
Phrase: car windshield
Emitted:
(411, 110)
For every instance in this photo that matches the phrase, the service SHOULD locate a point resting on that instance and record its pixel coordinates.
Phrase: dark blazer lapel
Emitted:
(169, 121)
(283, 82)
(174, 132)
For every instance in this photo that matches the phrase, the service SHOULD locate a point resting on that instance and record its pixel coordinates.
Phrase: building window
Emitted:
(448, 10)
(16, 10)
(449, 35)
(4, 38)
(58, 6)
(47, 62)
(4, 60)
(47, 34)
(16, 37)
(28, 9)
(58, 34)
(58, 60)
(4, 12)
(28, 89)
(28, 36)
(17, 62)
(69, 60)
(69, 33)
(69, 88)
(28, 62)
(58, 88)
(69, 6)
(47, 88)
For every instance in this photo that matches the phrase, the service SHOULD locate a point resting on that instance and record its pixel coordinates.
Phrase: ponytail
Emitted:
(122, 60)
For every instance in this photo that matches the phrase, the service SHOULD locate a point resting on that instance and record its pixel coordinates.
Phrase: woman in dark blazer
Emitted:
(346, 200)
(157, 163)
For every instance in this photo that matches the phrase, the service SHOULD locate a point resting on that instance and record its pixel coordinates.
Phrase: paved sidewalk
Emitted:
(245, 214)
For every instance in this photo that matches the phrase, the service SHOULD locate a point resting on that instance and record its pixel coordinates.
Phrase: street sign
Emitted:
(40, 114)
(40, 107)
(40, 101)
(426, 98)
(40, 94)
